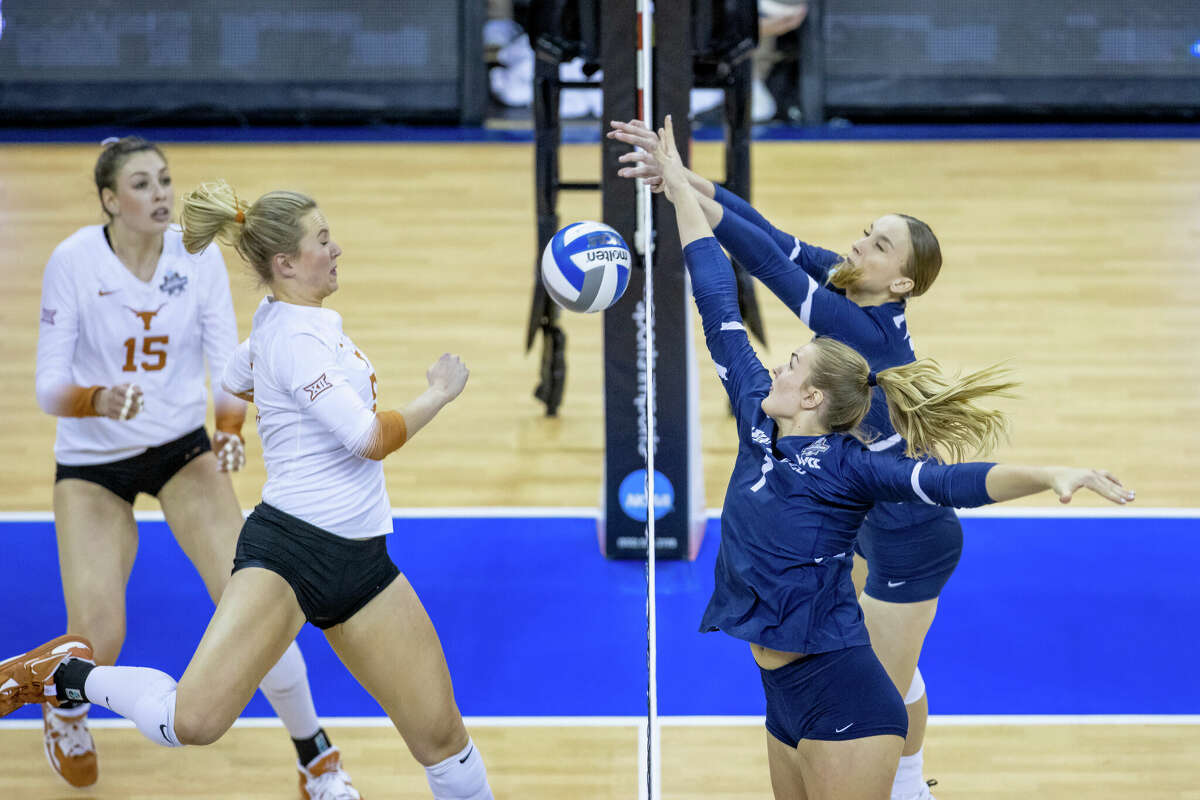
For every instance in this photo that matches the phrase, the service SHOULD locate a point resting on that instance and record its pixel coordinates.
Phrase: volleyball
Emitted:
(585, 267)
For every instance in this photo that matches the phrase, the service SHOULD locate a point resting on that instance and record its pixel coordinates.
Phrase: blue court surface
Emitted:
(1045, 615)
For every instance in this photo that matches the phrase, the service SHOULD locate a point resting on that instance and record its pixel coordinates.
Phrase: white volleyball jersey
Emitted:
(102, 326)
(315, 392)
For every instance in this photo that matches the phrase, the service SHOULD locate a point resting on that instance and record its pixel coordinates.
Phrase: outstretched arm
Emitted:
(1008, 482)
(392, 429)
(816, 261)
(309, 368)
(900, 479)
(714, 288)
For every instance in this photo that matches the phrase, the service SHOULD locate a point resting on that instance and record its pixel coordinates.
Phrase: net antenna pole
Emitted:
(645, 236)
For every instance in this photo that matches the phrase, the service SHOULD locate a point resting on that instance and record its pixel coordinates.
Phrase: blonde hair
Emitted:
(935, 416)
(923, 264)
(273, 224)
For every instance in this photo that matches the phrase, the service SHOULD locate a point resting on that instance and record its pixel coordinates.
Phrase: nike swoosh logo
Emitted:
(463, 760)
(840, 730)
(110, 291)
(163, 730)
(894, 584)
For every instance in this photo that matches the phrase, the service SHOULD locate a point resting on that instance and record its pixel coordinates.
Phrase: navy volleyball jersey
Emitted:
(794, 504)
(797, 273)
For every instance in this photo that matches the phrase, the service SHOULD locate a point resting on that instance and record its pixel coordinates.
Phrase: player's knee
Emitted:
(439, 743)
(200, 723)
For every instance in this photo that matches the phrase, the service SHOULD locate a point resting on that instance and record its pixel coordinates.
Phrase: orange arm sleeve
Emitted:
(76, 401)
(390, 436)
(229, 421)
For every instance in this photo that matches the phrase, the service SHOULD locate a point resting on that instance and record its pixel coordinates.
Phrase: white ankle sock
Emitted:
(286, 688)
(143, 695)
(462, 776)
(910, 776)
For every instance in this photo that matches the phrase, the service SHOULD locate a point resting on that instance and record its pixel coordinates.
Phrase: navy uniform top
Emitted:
(794, 503)
(798, 274)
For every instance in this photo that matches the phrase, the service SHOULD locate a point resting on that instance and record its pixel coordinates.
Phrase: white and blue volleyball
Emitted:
(585, 267)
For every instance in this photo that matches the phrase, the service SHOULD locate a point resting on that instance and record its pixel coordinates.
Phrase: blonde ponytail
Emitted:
(211, 211)
(273, 224)
(937, 417)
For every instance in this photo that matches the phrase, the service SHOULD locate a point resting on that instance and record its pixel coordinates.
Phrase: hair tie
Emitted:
(871, 379)
(110, 140)
(240, 216)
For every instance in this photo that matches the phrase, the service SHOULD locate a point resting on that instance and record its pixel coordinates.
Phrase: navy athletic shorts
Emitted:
(836, 696)
(908, 565)
(146, 472)
(333, 577)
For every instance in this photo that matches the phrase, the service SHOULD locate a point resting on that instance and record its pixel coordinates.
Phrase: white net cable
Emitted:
(652, 787)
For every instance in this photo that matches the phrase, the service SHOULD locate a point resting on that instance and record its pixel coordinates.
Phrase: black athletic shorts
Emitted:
(909, 565)
(844, 694)
(146, 472)
(333, 577)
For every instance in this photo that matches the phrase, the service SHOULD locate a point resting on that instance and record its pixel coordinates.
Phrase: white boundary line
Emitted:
(587, 512)
(639, 722)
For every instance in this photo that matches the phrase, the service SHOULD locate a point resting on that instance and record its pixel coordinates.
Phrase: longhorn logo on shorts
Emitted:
(318, 386)
(146, 316)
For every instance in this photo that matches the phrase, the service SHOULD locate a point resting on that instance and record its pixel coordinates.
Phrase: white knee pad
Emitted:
(289, 672)
(154, 710)
(916, 689)
(462, 776)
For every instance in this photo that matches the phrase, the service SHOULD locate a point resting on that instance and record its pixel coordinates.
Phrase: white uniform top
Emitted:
(315, 393)
(102, 326)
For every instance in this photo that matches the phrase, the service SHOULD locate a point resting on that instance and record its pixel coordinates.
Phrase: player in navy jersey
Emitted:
(801, 487)
(128, 320)
(912, 549)
(314, 550)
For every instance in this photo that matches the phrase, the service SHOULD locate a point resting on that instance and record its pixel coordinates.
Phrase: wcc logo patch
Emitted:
(173, 284)
(810, 457)
(318, 386)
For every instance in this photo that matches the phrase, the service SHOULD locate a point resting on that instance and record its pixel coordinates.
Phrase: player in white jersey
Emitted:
(128, 319)
(314, 550)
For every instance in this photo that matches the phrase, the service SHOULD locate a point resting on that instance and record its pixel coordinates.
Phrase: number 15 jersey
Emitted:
(102, 326)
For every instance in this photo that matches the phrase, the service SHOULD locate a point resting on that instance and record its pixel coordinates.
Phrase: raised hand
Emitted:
(674, 173)
(646, 167)
(448, 375)
(1065, 481)
(122, 401)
